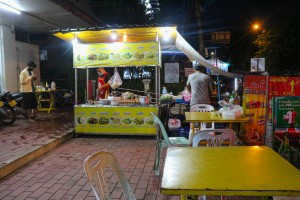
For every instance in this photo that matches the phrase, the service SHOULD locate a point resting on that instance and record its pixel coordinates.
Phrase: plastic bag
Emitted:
(115, 81)
(186, 95)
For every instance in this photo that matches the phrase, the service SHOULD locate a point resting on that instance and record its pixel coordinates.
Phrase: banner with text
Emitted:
(254, 106)
(116, 54)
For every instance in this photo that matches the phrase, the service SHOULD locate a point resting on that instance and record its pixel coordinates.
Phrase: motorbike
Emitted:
(17, 96)
(7, 112)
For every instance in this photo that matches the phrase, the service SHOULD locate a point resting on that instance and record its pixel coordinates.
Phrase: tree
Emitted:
(280, 42)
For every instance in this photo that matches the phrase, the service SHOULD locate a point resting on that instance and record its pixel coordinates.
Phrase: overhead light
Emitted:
(9, 8)
(114, 35)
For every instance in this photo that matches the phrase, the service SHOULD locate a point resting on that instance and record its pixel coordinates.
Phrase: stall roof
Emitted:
(124, 34)
(166, 35)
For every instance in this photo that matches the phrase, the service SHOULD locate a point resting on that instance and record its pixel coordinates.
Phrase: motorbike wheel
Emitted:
(8, 115)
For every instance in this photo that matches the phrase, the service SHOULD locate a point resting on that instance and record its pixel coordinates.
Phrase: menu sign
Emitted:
(115, 120)
(116, 54)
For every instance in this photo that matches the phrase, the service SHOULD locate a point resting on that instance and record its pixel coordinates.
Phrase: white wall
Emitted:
(13, 58)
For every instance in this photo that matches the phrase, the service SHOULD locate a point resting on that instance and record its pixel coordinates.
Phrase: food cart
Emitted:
(118, 47)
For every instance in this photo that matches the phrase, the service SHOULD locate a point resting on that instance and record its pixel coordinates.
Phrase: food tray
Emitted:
(127, 102)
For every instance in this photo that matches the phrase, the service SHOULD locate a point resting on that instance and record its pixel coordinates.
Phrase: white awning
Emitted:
(193, 55)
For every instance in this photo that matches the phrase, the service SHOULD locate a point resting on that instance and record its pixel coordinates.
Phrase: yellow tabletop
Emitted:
(229, 171)
(208, 117)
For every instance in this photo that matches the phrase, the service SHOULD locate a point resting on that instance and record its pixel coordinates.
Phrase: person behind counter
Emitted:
(103, 85)
(200, 86)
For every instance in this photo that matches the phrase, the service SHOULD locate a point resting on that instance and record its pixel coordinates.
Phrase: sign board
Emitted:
(286, 112)
(220, 37)
(188, 71)
(116, 54)
(171, 72)
(257, 64)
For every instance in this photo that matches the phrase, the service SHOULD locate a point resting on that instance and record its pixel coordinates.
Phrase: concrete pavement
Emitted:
(44, 161)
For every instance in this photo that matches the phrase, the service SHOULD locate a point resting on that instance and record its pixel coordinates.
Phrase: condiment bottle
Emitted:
(164, 90)
(286, 149)
(46, 85)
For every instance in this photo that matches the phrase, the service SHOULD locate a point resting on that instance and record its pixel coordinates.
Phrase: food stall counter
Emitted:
(114, 120)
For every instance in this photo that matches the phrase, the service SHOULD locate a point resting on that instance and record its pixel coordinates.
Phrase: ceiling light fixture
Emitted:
(9, 8)
(114, 35)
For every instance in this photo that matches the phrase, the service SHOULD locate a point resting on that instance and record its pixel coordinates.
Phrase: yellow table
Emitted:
(228, 171)
(198, 117)
(45, 96)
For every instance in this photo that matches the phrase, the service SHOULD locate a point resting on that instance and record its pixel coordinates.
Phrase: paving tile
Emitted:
(59, 174)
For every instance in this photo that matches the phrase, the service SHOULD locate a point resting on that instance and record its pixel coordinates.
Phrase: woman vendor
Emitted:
(103, 85)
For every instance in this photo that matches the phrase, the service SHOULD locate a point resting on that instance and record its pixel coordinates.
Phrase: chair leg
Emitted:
(157, 158)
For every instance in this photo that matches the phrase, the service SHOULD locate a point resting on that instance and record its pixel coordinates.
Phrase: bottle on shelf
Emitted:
(46, 85)
(164, 90)
(286, 151)
(53, 86)
(231, 100)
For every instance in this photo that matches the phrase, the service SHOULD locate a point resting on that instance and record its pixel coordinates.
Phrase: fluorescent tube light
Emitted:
(9, 8)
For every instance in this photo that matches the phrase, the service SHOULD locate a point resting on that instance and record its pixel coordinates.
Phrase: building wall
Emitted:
(13, 58)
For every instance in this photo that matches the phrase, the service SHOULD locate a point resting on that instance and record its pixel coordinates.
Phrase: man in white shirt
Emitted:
(27, 79)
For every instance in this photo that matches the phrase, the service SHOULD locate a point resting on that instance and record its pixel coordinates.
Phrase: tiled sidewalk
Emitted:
(59, 173)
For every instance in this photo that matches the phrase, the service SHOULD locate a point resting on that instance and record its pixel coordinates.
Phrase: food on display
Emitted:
(128, 95)
(92, 56)
(103, 56)
(92, 120)
(103, 120)
(149, 121)
(166, 98)
(115, 120)
(151, 55)
(127, 55)
(126, 120)
(81, 120)
(115, 56)
(138, 121)
(138, 55)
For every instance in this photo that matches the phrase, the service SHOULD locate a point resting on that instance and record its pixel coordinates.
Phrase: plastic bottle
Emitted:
(53, 86)
(231, 100)
(46, 86)
(286, 149)
(164, 90)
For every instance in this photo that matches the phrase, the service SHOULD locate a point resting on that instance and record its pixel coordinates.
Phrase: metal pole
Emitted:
(257, 65)
(219, 95)
(76, 95)
(87, 84)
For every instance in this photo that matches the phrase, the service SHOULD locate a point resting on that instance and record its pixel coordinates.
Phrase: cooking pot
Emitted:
(144, 100)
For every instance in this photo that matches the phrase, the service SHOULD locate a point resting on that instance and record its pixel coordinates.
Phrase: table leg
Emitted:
(191, 133)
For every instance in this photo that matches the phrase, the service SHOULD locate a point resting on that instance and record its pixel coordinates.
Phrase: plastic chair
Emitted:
(98, 168)
(214, 138)
(163, 141)
(203, 108)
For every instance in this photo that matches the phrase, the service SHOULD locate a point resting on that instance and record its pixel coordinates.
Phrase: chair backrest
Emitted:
(203, 108)
(98, 167)
(161, 131)
(213, 138)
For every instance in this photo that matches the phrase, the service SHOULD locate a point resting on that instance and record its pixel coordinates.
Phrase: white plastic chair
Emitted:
(98, 168)
(164, 141)
(203, 108)
(214, 138)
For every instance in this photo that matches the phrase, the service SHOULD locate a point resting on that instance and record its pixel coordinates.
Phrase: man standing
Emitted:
(200, 86)
(27, 79)
(103, 85)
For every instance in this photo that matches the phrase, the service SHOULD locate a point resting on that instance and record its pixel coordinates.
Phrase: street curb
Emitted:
(21, 160)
